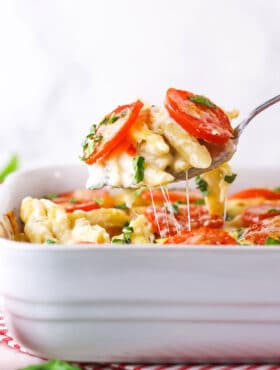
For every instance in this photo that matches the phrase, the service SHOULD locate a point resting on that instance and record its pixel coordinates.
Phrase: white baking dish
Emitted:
(139, 303)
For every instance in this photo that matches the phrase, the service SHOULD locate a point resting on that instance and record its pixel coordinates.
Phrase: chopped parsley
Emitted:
(201, 100)
(139, 167)
(121, 206)
(51, 196)
(272, 241)
(72, 200)
(199, 201)
(230, 178)
(98, 201)
(125, 237)
(202, 185)
(11, 166)
(50, 241)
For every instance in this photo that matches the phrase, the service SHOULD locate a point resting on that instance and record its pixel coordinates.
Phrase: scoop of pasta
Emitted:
(139, 144)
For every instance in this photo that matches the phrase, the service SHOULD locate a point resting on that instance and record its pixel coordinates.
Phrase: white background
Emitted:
(66, 63)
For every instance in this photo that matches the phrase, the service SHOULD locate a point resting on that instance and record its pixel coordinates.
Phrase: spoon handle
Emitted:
(239, 129)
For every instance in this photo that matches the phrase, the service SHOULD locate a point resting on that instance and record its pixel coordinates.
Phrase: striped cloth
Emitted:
(9, 341)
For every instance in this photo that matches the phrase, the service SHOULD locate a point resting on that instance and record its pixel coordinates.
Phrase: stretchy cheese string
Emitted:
(155, 212)
(166, 197)
(188, 202)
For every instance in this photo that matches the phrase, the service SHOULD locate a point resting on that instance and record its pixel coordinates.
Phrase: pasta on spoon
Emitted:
(145, 145)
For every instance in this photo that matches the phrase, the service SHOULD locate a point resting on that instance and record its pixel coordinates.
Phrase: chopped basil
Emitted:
(88, 148)
(277, 189)
(52, 365)
(125, 237)
(11, 166)
(72, 200)
(113, 118)
(97, 138)
(127, 231)
(118, 241)
(51, 196)
(202, 185)
(139, 167)
(273, 210)
(199, 201)
(98, 201)
(105, 121)
(50, 241)
(121, 206)
(228, 217)
(202, 100)
(172, 207)
(272, 241)
(230, 178)
(240, 233)
(139, 191)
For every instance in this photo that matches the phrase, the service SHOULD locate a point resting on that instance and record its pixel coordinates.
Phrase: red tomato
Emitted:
(85, 200)
(163, 222)
(201, 118)
(256, 193)
(174, 196)
(113, 130)
(258, 233)
(202, 235)
(86, 206)
(253, 215)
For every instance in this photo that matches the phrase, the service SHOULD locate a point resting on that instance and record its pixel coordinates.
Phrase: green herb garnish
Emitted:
(229, 217)
(273, 210)
(139, 191)
(52, 365)
(272, 241)
(139, 167)
(127, 231)
(230, 178)
(98, 201)
(113, 118)
(72, 200)
(118, 240)
(201, 100)
(51, 196)
(11, 166)
(277, 189)
(199, 201)
(202, 185)
(121, 206)
(88, 148)
(50, 241)
(125, 237)
(173, 207)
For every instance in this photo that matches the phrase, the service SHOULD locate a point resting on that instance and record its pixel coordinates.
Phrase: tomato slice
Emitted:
(253, 215)
(204, 236)
(163, 223)
(85, 200)
(174, 196)
(256, 193)
(198, 116)
(111, 132)
(86, 206)
(258, 233)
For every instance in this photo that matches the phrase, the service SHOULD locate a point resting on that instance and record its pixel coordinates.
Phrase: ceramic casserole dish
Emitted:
(115, 303)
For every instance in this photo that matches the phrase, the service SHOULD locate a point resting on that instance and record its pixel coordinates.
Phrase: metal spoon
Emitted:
(223, 153)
